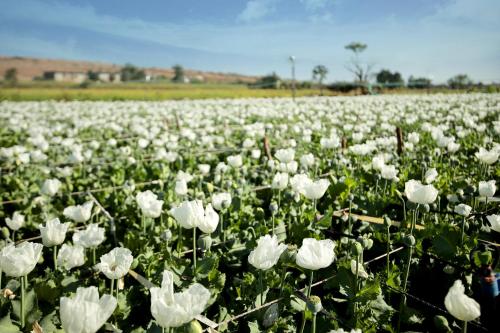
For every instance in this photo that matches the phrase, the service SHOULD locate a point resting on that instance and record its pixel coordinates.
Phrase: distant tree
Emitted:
(361, 71)
(178, 73)
(419, 82)
(270, 81)
(356, 47)
(130, 72)
(388, 78)
(10, 76)
(319, 73)
(92, 76)
(460, 81)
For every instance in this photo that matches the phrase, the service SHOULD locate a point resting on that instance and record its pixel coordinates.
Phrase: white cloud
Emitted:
(314, 5)
(257, 9)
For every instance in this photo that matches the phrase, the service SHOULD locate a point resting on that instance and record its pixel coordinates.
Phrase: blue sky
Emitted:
(432, 38)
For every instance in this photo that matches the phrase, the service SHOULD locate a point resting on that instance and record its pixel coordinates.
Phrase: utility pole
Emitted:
(292, 61)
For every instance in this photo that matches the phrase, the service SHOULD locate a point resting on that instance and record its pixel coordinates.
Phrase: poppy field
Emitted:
(323, 214)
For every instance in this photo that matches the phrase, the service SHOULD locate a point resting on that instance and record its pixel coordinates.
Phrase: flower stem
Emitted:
(405, 281)
(179, 242)
(464, 327)
(112, 286)
(356, 292)
(283, 276)
(272, 219)
(194, 250)
(22, 301)
(93, 256)
(310, 283)
(261, 287)
(279, 200)
(462, 234)
(314, 324)
(55, 257)
(388, 251)
(221, 227)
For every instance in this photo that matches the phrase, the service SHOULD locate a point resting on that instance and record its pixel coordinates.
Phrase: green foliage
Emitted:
(10, 76)
(356, 47)
(130, 72)
(460, 81)
(418, 82)
(178, 74)
(391, 80)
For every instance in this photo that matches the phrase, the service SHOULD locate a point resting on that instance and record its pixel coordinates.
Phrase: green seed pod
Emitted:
(441, 323)
(409, 240)
(356, 248)
(194, 327)
(204, 242)
(210, 187)
(5, 232)
(314, 304)
(387, 221)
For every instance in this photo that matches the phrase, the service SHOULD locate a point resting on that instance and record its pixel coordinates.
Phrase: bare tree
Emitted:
(361, 71)
(319, 73)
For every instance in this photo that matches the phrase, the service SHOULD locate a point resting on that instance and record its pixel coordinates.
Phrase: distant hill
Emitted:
(30, 68)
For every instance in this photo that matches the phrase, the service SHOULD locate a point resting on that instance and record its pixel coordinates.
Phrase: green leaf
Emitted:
(369, 292)
(6, 325)
(297, 304)
(445, 243)
(29, 304)
(254, 327)
(48, 323)
(206, 265)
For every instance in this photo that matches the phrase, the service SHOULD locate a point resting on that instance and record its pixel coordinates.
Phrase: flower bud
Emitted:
(314, 304)
(210, 187)
(409, 240)
(135, 262)
(5, 232)
(351, 197)
(204, 242)
(290, 254)
(194, 327)
(166, 235)
(356, 248)
(259, 213)
(387, 221)
(273, 207)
